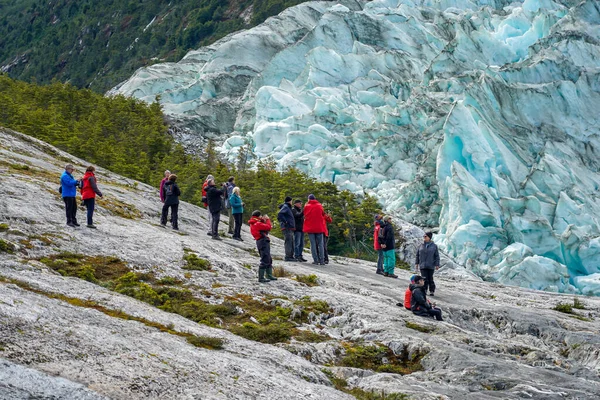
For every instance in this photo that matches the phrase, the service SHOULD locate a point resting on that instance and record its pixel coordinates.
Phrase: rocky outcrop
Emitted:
(63, 336)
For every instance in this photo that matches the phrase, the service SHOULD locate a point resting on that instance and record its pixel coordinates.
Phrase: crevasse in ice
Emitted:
(480, 117)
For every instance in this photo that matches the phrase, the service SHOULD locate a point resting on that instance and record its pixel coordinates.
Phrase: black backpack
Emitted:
(169, 190)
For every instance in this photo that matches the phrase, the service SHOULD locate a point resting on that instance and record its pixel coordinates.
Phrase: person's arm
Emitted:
(68, 180)
(420, 300)
(161, 191)
(93, 185)
(418, 259)
(436, 258)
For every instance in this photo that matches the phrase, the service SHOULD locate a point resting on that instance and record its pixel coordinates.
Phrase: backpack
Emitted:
(169, 190)
(229, 192)
(381, 234)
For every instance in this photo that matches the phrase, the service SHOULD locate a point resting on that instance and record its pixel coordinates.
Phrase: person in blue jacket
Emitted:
(68, 188)
(237, 210)
(288, 226)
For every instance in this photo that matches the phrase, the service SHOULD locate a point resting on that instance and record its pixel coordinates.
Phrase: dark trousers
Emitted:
(237, 230)
(215, 218)
(71, 209)
(316, 247)
(263, 245)
(232, 222)
(325, 254)
(298, 243)
(428, 275)
(436, 313)
(90, 205)
(288, 237)
(174, 215)
(380, 260)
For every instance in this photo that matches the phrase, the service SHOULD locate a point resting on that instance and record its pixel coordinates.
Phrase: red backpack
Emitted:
(407, 298)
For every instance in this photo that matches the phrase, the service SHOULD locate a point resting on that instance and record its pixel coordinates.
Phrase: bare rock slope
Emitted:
(114, 312)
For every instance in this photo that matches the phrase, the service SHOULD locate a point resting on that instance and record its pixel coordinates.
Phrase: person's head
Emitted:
(90, 169)
(256, 213)
(298, 203)
(387, 219)
(172, 177)
(377, 217)
(419, 281)
(427, 237)
(167, 173)
(412, 278)
(210, 177)
(69, 168)
(231, 179)
(311, 197)
(288, 200)
(236, 190)
(211, 182)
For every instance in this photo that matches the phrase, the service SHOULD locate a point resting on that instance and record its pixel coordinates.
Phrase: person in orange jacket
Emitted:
(260, 226)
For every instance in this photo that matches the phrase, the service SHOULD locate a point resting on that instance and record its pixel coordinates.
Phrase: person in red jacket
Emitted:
(408, 294)
(89, 190)
(260, 226)
(327, 219)
(376, 244)
(314, 225)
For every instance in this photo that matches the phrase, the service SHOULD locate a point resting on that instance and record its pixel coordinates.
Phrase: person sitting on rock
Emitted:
(418, 302)
(407, 294)
(260, 226)
(428, 261)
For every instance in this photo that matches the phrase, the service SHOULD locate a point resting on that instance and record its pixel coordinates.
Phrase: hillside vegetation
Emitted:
(99, 44)
(131, 138)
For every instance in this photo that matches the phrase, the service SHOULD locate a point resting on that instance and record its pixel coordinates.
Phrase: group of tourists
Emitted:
(89, 189)
(295, 220)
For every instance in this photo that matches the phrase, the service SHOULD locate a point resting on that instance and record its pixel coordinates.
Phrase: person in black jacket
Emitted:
(418, 301)
(298, 234)
(428, 260)
(388, 244)
(214, 198)
(288, 226)
(171, 194)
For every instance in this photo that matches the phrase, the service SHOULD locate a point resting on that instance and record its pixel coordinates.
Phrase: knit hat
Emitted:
(287, 199)
(412, 278)
(430, 234)
(418, 278)
(256, 213)
(297, 201)
(311, 197)
(377, 217)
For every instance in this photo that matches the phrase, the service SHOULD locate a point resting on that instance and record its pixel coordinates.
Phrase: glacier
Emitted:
(477, 117)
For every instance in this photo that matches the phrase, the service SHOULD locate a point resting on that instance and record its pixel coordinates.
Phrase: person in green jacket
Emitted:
(237, 209)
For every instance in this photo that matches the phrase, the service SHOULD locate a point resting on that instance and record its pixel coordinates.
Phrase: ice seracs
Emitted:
(477, 117)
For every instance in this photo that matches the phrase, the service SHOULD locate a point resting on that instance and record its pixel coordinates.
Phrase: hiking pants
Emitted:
(325, 254)
(288, 237)
(210, 219)
(428, 275)
(71, 209)
(237, 231)
(263, 245)
(214, 226)
(174, 215)
(298, 243)
(435, 313)
(316, 247)
(231, 229)
(380, 261)
(389, 261)
(89, 205)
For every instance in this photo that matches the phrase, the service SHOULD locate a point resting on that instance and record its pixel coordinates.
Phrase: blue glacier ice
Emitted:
(477, 117)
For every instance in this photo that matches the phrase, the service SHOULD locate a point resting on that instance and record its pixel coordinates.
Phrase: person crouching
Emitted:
(418, 302)
(260, 226)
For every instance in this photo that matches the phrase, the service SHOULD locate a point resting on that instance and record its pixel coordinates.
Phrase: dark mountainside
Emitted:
(99, 44)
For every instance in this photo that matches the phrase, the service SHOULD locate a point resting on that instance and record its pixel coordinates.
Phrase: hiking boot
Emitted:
(175, 228)
(209, 233)
(379, 272)
(290, 259)
(299, 259)
(386, 274)
(315, 263)
(216, 237)
(72, 225)
(91, 226)
(76, 224)
(261, 276)
(431, 294)
(163, 225)
(270, 274)
(392, 276)
(303, 259)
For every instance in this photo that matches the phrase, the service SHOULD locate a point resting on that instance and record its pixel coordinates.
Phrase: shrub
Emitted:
(6, 247)
(4, 227)
(207, 342)
(417, 327)
(309, 280)
(271, 333)
(280, 272)
(578, 304)
(564, 308)
(195, 263)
